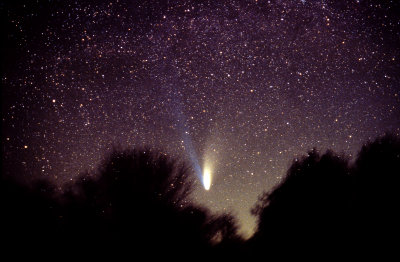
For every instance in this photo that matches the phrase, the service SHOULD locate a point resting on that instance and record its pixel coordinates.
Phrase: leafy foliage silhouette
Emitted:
(375, 202)
(138, 204)
(327, 203)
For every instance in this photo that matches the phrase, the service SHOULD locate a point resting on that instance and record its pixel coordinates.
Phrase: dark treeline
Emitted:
(327, 204)
(138, 205)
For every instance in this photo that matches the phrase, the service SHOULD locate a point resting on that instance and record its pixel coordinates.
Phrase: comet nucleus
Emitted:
(206, 179)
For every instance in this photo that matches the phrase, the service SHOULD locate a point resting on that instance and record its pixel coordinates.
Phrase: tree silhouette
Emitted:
(138, 202)
(326, 203)
(28, 215)
(309, 206)
(375, 203)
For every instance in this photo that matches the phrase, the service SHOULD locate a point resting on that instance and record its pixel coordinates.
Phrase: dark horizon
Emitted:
(140, 202)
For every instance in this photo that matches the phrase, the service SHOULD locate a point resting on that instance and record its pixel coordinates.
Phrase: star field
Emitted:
(253, 84)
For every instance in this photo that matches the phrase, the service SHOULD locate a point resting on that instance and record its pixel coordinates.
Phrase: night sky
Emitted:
(239, 87)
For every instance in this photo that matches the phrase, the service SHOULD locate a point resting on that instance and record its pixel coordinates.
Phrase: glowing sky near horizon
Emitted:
(258, 83)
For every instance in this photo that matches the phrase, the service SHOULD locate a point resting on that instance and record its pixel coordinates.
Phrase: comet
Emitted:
(205, 175)
(207, 178)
